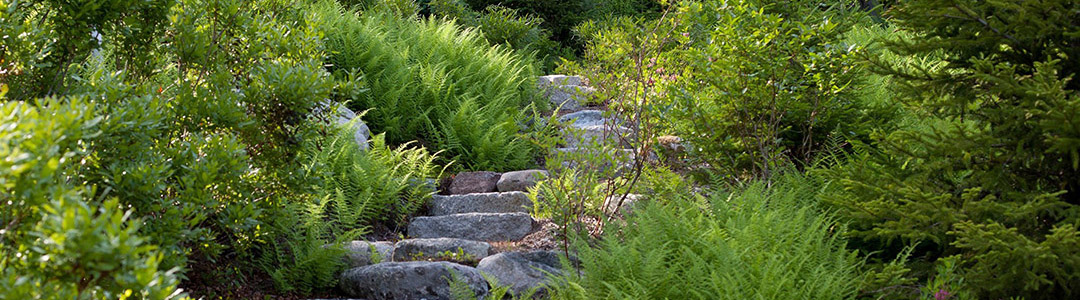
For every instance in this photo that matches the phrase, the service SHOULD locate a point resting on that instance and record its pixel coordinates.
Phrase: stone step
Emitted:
(508, 202)
(473, 226)
(588, 117)
(568, 97)
(618, 136)
(440, 249)
(595, 158)
(410, 280)
(549, 80)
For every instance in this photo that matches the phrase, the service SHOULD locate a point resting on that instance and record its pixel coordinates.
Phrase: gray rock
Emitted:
(569, 97)
(362, 253)
(583, 118)
(523, 271)
(603, 134)
(474, 182)
(612, 205)
(554, 80)
(473, 226)
(520, 180)
(419, 249)
(410, 280)
(480, 203)
(597, 158)
(346, 117)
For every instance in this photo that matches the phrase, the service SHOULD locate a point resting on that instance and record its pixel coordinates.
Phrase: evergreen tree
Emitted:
(992, 179)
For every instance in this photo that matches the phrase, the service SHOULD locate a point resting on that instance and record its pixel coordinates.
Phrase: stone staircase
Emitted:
(481, 208)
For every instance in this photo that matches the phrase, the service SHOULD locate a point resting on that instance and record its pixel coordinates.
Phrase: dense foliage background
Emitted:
(801, 149)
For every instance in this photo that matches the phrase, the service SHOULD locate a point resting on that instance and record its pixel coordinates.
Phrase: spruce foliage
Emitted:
(990, 182)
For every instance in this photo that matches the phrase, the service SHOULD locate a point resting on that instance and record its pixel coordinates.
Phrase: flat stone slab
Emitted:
(520, 181)
(410, 280)
(523, 271)
(420, 249)
(362, 253)
(588, 117)
(569, 97)
(507, 202)
(474, 182)
(575, 137)
(550, 80)
(473, 226)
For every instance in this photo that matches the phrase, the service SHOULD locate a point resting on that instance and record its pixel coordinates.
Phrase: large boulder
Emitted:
(523, 271)
(411, 280)
(421, 249)
(362, 253)
(520, 180)
(473, 226)
(474, 182)
(343, 116)
(480, 203)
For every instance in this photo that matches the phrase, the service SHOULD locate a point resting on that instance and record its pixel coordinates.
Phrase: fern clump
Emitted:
(432, 81)
(758, 242)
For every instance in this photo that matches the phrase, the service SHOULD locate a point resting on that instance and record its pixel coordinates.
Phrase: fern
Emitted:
(758, 242)
(433, 81)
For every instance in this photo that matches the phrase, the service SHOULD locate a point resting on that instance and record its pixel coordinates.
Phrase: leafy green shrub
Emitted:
(431, 80)
(197, 139)
(757, 242)
(57, 238)
(751, 91)
(989, 183)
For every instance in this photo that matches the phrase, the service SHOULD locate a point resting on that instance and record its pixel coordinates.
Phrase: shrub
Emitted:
(989, 183)
(751, 91)
(432, 81)
(197, 138)
(757, 242)
(57, 237)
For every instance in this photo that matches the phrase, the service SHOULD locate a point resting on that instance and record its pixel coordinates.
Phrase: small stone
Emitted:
(480, 203)
(473, 226)
(362, 253)
(410, 280)
(474, 182)
(421, 249)
(520, 180)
